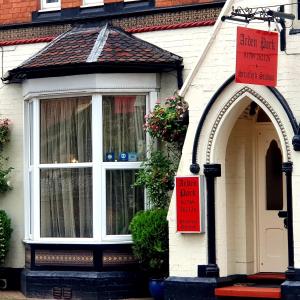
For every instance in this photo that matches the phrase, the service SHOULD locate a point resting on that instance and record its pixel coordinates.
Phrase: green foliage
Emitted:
(167, 121)
(4, 131)
(150, 236)
(5, 234)
(157, 176)
(4, 169)
(4, 182)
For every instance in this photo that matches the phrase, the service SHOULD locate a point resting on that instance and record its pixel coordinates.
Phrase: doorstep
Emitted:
(236, 291)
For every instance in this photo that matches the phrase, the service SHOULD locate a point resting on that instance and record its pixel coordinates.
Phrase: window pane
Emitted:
(66, 130)
(66, 202)
(274, 188)
(51, 1)
(123, 135)
(122, 200)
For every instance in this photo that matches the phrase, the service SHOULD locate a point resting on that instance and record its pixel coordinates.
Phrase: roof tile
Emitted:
(115, 46)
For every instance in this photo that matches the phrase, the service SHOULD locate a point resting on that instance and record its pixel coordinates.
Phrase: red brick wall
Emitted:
(71, 3)
(17, 11)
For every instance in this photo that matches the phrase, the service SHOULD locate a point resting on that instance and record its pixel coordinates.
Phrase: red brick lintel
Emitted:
(131, 30)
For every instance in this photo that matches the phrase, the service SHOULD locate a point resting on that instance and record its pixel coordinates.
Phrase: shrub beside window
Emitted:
(5, 234)
(167, 123)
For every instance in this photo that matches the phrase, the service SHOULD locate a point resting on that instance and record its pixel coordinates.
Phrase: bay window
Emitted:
(83, 156)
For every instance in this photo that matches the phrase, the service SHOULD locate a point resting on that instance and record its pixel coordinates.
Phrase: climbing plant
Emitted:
(4, 169)
(5, 223)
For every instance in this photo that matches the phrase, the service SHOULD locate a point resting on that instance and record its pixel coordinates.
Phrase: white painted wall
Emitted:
(215, 68)
(11, 106)
(184, 42)
(187, 43)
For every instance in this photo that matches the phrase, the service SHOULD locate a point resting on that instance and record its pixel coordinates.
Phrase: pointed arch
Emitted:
(263, 103)
(194, 167)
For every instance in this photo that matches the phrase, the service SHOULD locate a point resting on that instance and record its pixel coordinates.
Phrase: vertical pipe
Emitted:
(287, 168)
(211, 171)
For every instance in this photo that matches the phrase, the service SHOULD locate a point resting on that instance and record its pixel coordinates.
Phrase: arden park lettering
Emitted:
(188, 204)
(256, 56)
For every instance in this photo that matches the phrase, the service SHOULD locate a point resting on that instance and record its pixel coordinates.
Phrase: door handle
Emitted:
(282, 214)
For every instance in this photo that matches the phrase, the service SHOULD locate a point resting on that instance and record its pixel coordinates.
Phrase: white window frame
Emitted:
(50, 6)
(98, 165)
(87, 3)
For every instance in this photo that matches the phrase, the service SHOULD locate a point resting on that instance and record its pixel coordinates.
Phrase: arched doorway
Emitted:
(256, 238)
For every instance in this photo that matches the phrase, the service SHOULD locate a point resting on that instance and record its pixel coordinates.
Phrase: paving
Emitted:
(12, 295)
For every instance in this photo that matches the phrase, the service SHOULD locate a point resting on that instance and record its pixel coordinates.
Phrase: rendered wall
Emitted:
(11, 106)
(184, 42)
(188, 251)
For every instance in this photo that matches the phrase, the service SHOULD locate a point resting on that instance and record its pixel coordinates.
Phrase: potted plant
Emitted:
(151, 248)
(150, 228)
(166, 123)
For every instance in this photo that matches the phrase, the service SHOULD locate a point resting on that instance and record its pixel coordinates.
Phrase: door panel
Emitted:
(272, 236)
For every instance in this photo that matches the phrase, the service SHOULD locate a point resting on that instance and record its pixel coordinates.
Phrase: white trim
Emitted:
(26, 183)
(90, 84)
(35, 171)
(50, 6)
(76, 241)
(89, 3)
(97, 175)
(65, 165)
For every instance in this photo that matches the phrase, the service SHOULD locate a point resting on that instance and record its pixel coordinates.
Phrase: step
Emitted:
(249, 292)
(267, 277)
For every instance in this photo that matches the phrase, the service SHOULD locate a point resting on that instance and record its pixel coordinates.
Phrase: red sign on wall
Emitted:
(256, 56)
(188, 204)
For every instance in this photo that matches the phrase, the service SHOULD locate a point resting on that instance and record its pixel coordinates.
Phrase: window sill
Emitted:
(91, 5)
(49, 9)
(72, 242)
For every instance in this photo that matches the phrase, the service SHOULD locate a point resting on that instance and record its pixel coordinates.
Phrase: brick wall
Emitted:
(71, 3)
(19, 11)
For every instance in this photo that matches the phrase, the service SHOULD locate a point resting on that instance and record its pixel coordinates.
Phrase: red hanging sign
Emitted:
(188, 204)
(256, 56)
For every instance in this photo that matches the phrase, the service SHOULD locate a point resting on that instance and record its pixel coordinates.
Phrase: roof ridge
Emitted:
(98, 45)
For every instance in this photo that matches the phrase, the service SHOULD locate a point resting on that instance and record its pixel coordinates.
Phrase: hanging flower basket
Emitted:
(168, 121)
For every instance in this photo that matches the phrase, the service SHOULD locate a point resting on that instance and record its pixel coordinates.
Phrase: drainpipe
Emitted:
(287, 168)
(211, 171)
(179, 77)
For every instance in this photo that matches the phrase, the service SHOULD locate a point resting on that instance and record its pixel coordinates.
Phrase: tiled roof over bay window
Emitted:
(90, 48)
